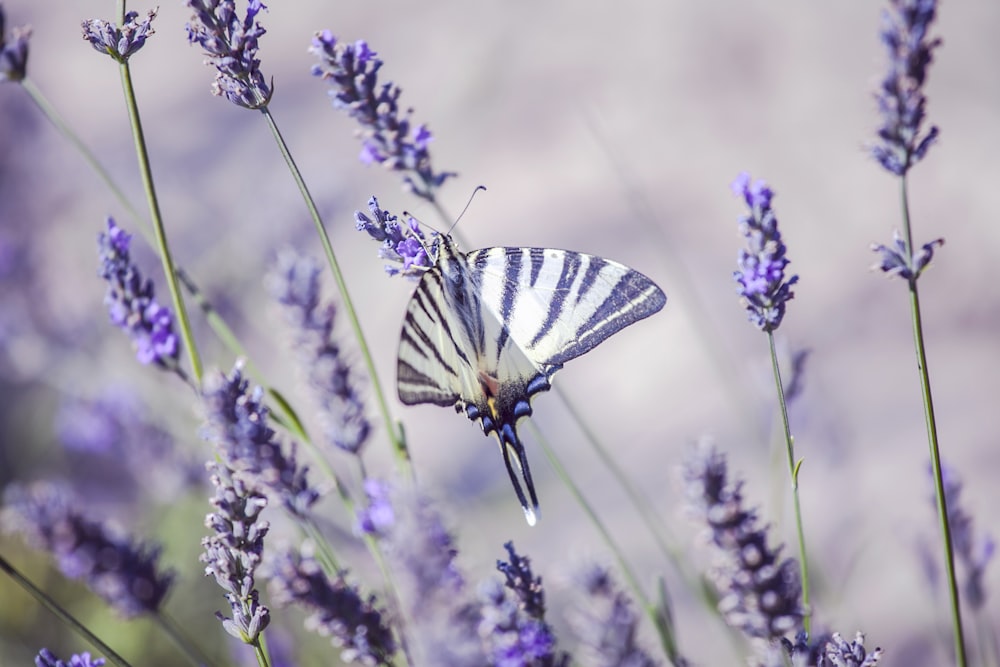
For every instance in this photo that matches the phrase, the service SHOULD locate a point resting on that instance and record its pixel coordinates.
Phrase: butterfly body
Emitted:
(486, 330)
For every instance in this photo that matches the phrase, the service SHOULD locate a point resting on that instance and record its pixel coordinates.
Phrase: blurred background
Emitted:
(608, 128)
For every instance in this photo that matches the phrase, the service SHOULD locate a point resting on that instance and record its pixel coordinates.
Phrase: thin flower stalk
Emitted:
(212, 30)
(121, 43)
(902, 142)
(765, 292)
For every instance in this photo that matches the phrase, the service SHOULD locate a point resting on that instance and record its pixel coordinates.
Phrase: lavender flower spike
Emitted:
(247, 444)
(763, 287)
(336, 609)
(294, 282)
(901, 100)
(895, 261)
(388, 137)
(123, 573)
(233, 553)
(230, 46)
(974, 554)
(760, 594)
(13, 51)
(47, 658)
(608, 628)
(119, 43)
(131, 303)
(406, 246)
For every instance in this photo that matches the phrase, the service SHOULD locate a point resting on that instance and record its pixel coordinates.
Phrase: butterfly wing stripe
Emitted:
(421, 388)
(537, 256)
(427, 345)
(441, 318)
(570, 267)
(512, 277)
(594, 267)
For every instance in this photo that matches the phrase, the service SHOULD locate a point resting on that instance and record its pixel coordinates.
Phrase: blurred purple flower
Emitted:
(233, 553)
(974, 553)
(760, 594)
(119, 43)
(123, 573)
(377, 517)
(246, 443)
(13, 51)
(230, 46)
(132, 305)
(294, 282)
(824, 650)
(47, 658)
(901, 100)
(761, 277)
(896, 261)
(336, 609)
(400, 245)
(388, 136)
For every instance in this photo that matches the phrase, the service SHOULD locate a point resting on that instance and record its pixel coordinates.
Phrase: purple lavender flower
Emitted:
(761, 277)
(400, 245)
(123, 573)
(901, 99)
(47, 658)
(13, 51)
(377, 517)
(233, 553)
(132, 305)
(119, 43)
(896, 261)
(974, 553)
(760, 594)
(295, 284)
(388, 136)
(335, 609)
(247, 444)
(521, 580)
(230, 46)
(822, 651)
(607, 626)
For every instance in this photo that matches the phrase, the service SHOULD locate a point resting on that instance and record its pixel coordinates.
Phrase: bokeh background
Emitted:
(610, 128)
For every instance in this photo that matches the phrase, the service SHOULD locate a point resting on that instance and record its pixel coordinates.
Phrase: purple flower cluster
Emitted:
(760, 594)
(47, 658)
(230, 45)
(763, 287)
(401, 245)
(974, 554)
(896, 261)
(119, 42)
(233, 552)
(823, 651)
(336, 609)
(295, 284)
(901, 100)
(132, 305)
(608, 628)
(123, 573)
(247, 444)
(388, 136)
(377, 517)
(13, 51)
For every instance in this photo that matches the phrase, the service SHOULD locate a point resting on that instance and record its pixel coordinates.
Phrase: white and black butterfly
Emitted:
(485, 331)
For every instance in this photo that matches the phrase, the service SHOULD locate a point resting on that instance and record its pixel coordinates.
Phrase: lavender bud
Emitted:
(233, 553)
(123, 573)
(761, 277)
(895, 261)
(760, 594)
(295, 284)
(377, 517)
(405, 245)
(388, 136)
(132, 305)
(13, 51)
(47, 658)
(230, 46)
(336, 609)
(901, 100)
(975, 553)
(245, 442)
(119, 43)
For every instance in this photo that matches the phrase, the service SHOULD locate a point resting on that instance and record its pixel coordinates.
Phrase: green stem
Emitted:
(61, 613)
(932, 441)
(146, 172)
(172, 630)
(395, 437)
(793, 471)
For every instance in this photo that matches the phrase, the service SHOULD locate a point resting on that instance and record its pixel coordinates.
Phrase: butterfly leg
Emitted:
(511, 448)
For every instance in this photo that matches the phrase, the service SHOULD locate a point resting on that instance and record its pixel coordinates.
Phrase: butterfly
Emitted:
(486, 330)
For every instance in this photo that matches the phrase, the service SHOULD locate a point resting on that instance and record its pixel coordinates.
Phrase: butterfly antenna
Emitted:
(513, 450)
(467, 204)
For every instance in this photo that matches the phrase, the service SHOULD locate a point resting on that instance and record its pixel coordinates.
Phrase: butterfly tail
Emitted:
(513, 452)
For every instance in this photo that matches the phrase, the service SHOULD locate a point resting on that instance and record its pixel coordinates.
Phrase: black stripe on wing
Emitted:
(571, 266)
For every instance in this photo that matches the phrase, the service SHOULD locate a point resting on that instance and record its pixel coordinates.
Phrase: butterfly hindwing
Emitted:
(485, 331)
